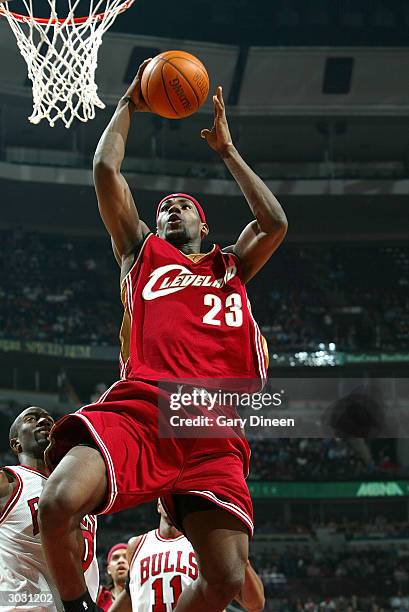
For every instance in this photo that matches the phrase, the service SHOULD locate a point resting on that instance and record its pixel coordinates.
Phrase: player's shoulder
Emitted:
(230, 250)
(133, 545)
(134, 541)
(7, 476)
(4, 482)
(8, 486)
(129, 262)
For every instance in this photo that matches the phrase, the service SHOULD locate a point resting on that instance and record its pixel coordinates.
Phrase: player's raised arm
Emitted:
(115, 201)
(251, 596)
(262, 236)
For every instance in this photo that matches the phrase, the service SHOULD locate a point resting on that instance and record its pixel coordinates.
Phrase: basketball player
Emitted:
(25, 581)
(117, 570)
(162, 564)
(186, 316)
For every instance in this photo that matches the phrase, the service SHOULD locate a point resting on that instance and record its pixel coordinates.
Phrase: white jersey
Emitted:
(25, 582)
(159, 571)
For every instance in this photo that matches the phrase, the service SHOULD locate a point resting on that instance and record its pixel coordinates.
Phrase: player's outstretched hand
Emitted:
(135, 92)
(218, 138)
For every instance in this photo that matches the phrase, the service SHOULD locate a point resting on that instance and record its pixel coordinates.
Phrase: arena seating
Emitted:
(352, 296)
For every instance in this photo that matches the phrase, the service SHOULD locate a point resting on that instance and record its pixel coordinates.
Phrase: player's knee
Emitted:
(56, 506)
(222, 590)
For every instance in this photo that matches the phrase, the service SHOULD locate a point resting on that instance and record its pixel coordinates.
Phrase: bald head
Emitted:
(13, 433)
(29, 433)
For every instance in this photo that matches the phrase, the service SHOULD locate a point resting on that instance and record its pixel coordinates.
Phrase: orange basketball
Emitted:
(175, 84)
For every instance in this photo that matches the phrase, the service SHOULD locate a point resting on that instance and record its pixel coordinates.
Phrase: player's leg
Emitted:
(221, 543)
(76, 487)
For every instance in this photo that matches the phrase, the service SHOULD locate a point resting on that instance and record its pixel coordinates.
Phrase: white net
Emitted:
(62, 55)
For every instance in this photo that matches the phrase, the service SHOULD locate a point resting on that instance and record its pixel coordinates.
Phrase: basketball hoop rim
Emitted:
(74, 21)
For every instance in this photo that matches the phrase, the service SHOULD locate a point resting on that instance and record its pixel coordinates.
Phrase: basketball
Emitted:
(175, 84)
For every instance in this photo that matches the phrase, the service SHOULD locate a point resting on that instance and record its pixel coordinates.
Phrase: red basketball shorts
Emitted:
(142, 466)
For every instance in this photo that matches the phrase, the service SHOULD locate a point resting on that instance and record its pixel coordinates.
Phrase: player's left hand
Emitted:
(218, 138)
(135, 91)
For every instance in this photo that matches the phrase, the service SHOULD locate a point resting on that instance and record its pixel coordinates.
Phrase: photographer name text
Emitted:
(223, 421)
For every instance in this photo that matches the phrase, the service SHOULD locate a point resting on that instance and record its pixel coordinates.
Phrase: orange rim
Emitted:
(66, 21)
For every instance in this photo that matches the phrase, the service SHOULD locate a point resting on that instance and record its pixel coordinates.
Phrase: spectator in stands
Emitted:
(99, 389)
(399, 602)
(353, 297)
(314, 459)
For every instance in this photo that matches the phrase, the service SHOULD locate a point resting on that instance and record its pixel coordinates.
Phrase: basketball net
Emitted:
(61, 57)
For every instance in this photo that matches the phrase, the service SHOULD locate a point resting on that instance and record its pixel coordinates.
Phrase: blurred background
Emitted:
(318, 102)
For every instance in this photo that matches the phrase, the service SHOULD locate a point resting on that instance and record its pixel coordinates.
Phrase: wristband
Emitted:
(128, 100)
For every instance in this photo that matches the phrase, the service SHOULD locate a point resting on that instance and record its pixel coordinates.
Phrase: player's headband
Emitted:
(119, 546)
(187, 197)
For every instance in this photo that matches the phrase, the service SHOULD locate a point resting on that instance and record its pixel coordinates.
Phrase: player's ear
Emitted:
(204, 230)
(15, 446)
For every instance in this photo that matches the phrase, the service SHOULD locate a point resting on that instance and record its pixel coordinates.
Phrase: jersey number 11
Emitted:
(157, 586)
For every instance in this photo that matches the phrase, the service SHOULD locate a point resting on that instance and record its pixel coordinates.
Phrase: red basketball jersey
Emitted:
(187, 319)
